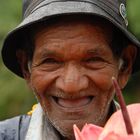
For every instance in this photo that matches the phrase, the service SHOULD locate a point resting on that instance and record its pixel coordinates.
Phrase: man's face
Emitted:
(71, 73)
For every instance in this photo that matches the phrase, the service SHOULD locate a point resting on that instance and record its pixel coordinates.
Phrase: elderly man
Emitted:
(68, 51)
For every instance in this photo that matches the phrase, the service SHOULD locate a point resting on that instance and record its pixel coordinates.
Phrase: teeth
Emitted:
(72, 103)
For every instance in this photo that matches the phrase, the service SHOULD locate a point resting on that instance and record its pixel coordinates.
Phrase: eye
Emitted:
(51, 61)
(49, 64)
(95, 62)
(94, 59)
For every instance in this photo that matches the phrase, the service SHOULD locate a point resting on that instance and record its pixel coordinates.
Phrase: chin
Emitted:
(66, 131)
(65, 128)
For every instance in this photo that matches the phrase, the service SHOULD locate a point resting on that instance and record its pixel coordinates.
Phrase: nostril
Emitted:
(67, 85)
(72, 85)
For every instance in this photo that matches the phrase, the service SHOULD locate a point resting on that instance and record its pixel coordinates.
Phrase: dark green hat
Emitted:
(35, 11)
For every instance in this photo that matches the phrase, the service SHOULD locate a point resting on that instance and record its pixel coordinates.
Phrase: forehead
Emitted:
(70, 20)
(74, 30)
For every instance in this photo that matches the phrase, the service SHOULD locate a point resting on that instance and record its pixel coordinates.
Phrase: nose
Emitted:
(72, 80)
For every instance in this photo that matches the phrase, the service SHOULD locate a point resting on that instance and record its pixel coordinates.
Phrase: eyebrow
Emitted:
(52, 53)
(47, 53)
(96, 51)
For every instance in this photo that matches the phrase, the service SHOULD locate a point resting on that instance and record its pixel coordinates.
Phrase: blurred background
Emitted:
(15, 97)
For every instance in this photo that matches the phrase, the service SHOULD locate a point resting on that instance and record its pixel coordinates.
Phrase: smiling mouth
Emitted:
(73, 103)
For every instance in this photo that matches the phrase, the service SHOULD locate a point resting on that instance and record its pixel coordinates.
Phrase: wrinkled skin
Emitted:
(71, 73)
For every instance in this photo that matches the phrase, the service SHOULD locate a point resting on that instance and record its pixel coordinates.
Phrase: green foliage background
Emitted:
(15, 97)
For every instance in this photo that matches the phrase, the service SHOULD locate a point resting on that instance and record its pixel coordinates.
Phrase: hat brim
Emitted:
(44, 11)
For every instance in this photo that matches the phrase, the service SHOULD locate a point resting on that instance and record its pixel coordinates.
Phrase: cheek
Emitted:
(103, 79)
(104, 83)
(40, 81)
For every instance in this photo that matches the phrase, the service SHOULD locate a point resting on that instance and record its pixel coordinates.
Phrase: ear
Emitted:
(23, 61)
(128, 57)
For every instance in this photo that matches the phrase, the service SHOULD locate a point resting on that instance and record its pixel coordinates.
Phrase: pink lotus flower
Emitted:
(117, 125)
(114, 136)
(89, 132)
(114, 129)
(122, 125)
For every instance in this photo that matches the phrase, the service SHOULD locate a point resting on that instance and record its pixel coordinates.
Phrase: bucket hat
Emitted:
(36, 11)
